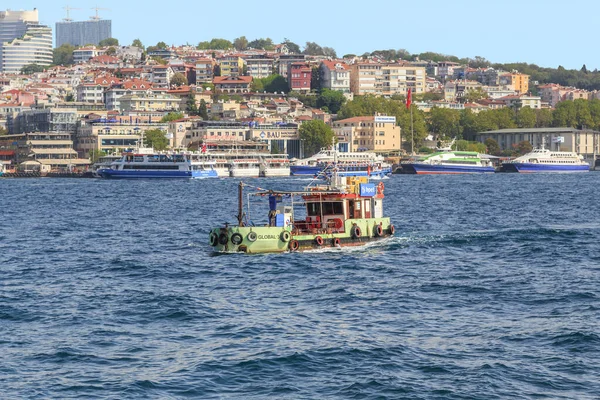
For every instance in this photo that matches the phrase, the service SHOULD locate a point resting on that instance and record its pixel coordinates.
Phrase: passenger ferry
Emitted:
(345, 212)
(544, 160)
(247, 166)
(274, 165)
(315, 164)
(145, 163)
(450, 162)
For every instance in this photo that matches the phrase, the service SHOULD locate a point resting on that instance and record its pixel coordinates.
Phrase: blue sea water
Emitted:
(489, 290)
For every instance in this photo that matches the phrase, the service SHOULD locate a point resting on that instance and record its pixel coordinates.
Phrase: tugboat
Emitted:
(345, 212)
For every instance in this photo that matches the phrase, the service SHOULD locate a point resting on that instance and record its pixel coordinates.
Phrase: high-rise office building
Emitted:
(80, 33)
(23, 41)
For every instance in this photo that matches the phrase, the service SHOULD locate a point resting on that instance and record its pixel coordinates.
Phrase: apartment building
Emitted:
(378, 133)
(386, 79)
(231, 84)
(149, 101)
(204, 70)
(519, 82)
(299, 76)
(335, 75)
(231, 65)
(366, 78)
(259, 66)
(23, 41)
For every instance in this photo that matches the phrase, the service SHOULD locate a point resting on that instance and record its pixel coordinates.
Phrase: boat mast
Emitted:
(240, 203)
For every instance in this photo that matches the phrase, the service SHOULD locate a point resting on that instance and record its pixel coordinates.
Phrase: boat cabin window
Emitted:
(325, 208)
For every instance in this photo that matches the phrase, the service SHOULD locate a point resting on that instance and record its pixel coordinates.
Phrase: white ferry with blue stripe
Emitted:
(544, 160)
(157, 165)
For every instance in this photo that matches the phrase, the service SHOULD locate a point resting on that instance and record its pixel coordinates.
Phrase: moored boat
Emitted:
(315, 164)
(544, 160)
(149, 164)
(345, 212)
(449, 162)
(274, 165)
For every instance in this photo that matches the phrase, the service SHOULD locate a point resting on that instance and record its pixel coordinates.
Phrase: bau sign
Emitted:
(367, 189)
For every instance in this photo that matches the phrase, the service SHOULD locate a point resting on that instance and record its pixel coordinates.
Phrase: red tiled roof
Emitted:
(231, 79)
(355, 119)
(331, 64)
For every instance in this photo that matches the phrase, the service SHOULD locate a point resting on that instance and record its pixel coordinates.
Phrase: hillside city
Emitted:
(65, 107)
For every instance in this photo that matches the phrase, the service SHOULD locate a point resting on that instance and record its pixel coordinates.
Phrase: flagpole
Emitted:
(412, 133)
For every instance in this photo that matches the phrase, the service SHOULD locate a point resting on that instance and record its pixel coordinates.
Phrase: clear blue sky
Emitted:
(548, 33)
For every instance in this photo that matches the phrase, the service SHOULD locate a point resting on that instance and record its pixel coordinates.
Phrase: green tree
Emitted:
(172, 116)
(584, 116)
(526, 118)
(444, 122)
(264, 44)
(275, 84)
(332, 99)
(240, 43)
(3, 131)
(159, 60)
(111, 51)
(203, 110)
(191, 106)
(492, 146)
(474, 95)
(63, 55)
(565, 115)
(315, 134)
(220, 44)
(431, 96)
(465, 145)
(178, 79)
(275, 148)
(108, 42)
(137, 43)
(313, 49)
(543, 118)
(522, 147)
(161, 46)
(70, 97)
(308, 99)
(95, 155)
(31, 69)
(315, 79)
(329, 52)
(156, 138)
(292, 47)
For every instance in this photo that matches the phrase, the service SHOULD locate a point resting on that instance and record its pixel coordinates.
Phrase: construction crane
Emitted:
(68, 19)
(96, 17)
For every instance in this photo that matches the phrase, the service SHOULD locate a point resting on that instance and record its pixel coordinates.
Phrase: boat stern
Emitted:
(250, 239)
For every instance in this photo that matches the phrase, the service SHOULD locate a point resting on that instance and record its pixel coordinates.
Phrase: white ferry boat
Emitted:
(246, 166)
(274, 165)
(145, 163)
(326, 156)
(450, 162)
(544, 160)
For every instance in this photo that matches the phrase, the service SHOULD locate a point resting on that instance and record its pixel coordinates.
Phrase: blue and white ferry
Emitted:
(145, 163)
(544, 160)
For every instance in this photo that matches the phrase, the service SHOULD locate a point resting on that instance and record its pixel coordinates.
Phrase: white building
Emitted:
(23, 41)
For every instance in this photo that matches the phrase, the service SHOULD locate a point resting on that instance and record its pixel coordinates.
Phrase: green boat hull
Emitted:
(271, 239)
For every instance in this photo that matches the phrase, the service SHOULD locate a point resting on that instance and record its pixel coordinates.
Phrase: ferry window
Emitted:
(313, 209)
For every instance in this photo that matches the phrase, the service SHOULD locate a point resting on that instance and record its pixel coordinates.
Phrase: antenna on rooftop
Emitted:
(97, 17)
(68, 19)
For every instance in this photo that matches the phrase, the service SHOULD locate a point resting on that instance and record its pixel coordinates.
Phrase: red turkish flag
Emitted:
(408, 98)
